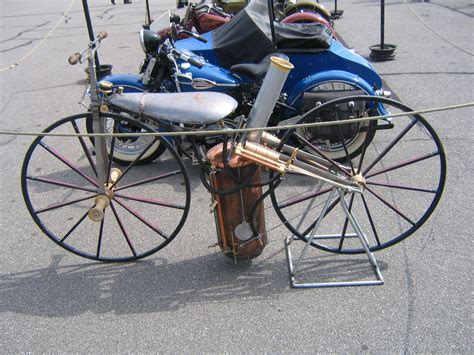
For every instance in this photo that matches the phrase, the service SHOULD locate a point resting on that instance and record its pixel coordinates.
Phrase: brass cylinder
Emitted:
(96, 213)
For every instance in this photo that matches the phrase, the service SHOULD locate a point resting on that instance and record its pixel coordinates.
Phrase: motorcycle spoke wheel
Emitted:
(327, 139)
(404, 169)
(127, 149)
(148, 207)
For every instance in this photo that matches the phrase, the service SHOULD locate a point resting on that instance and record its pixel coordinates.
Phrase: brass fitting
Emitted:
(359, 179)
(96, 213)
(106, 87)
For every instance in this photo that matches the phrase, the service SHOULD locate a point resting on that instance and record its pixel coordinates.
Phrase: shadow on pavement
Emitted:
(157, 285)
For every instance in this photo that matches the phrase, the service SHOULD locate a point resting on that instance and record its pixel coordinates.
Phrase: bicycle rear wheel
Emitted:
(403, 169)
(148, 206)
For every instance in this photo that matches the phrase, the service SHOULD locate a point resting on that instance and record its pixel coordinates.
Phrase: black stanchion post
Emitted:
(148, 12)
(382, 51)
(101, 70)
(336, 13)
(87, 15)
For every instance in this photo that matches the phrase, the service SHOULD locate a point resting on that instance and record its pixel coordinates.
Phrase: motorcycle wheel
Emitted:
(333, 147)
(307, 6)
(127, 149)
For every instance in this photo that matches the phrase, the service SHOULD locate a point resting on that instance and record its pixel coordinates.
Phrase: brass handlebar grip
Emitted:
(96, 213)
(74, 58)
(102, 35)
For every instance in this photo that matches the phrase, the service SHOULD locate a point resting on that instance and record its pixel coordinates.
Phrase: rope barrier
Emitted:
(14, 65)
(242, 130)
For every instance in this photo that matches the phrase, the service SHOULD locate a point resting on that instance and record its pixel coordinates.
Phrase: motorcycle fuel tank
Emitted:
(207, 78)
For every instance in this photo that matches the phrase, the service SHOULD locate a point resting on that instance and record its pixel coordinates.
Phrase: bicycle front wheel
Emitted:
(148, 204)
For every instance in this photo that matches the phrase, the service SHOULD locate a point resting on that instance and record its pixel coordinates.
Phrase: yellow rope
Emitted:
(241, 130)
(14, 65)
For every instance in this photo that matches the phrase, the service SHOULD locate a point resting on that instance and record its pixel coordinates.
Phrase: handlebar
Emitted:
(102, 35)
(77, 57)
(74, 58)
(196, 63)
(194, 35)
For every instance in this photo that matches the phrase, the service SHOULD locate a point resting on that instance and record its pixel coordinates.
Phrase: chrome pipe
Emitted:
(268, 95)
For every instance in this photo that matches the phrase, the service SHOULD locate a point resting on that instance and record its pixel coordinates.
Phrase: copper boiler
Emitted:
(232, 212)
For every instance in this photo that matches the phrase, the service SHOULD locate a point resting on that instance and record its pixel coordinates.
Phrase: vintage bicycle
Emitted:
(87, 204)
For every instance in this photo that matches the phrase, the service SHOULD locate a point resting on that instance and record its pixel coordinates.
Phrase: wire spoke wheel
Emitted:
(332, 140)
(128, 148)
(147, 207)
(402, 168)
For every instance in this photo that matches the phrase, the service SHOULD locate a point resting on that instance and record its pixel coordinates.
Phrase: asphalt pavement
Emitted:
(189, 298)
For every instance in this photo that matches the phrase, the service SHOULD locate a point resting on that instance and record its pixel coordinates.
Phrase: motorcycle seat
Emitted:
(256, 70)
(187, 107)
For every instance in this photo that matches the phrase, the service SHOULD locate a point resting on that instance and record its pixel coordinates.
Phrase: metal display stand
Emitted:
(293, 268)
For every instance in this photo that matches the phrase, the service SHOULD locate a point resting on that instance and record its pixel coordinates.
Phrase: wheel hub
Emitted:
(102, 201)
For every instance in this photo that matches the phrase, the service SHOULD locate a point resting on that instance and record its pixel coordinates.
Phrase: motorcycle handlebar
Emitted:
(195, 63)
(199, 38)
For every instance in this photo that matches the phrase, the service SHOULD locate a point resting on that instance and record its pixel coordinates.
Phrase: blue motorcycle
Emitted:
(234, 59)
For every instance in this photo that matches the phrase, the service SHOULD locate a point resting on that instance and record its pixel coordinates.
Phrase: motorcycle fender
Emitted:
(295, 97)
(209, 22)
(129, 82)
(319, 78)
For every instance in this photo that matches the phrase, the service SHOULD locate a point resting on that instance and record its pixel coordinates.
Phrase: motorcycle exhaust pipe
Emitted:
(268, 95)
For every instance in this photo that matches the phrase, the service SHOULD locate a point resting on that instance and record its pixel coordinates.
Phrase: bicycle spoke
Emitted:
(145, 181)
(142, 219)
(344, 145)
(403, 164)
(74, 227)
(401, 187)
(371, 221)
(134, 162)
(291, 202)
(67, 162)
(333, 163)
(111, 156)
(346, 222)
(152, 202)
(122, 228)
(367, 141)
(60, 183)
(391, 207)
(64, 204)
(99, 241)
(391, 145)
(84, 147)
